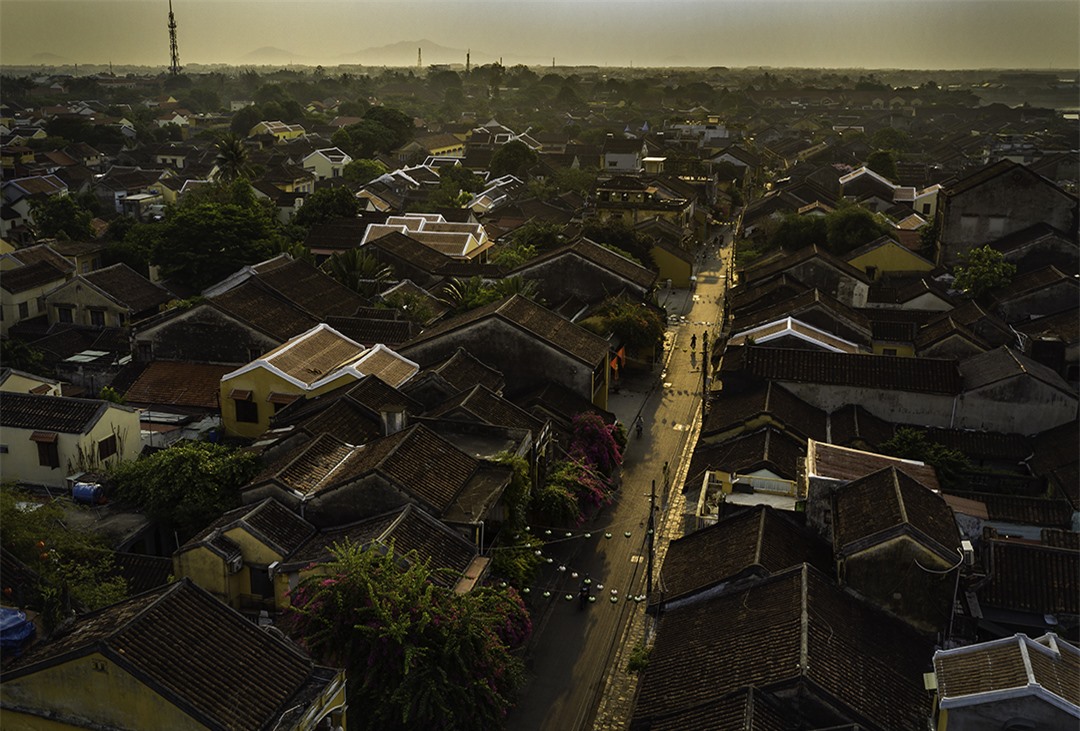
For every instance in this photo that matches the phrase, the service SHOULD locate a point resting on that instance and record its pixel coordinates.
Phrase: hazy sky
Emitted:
(914, 34)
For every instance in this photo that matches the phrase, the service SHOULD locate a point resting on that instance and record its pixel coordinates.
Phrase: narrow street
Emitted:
(577, 679)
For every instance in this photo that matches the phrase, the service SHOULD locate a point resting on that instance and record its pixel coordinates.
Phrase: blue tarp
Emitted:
(16, 631)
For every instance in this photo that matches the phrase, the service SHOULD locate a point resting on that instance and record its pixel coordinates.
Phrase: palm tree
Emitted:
(231, 158)
(359, 271)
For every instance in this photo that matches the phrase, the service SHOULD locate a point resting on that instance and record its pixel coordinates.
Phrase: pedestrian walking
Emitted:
(693, 342)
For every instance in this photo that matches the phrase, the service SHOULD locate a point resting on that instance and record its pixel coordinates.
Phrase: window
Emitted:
(65, 313)
(48, 449)
(247, 411)
(106, 447)
(261, 584)
(24, 310)
(888, 351)
(926, 207)
(97, 318)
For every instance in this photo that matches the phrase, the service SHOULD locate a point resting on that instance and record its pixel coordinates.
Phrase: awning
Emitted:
(46, 437)
(282, 398)
(239, 394)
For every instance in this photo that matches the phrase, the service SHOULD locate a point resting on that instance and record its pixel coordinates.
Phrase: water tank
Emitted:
(88, 493)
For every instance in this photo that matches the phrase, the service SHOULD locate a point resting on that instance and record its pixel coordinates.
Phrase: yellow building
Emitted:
(171, 658)
(310, 364)
(282, 132)
(47, 439)
(885, 256)
(23, 290)
(13, 381)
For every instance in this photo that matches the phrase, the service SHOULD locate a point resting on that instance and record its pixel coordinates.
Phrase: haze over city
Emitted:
(949, 34)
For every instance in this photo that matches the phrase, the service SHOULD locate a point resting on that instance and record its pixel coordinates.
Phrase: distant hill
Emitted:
(49, 59)
(271, 55)
(404, 54)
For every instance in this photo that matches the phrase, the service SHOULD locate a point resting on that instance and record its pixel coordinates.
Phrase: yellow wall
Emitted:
(10, 302)
(891, 257)
(21, 462)
(17, 383)
(83, 298)
(262, 382)
(209, 571)
(906, 350)
(91, 689)
(672, 267)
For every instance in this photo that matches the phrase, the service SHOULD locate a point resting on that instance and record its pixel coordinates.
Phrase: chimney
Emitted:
(393, 419)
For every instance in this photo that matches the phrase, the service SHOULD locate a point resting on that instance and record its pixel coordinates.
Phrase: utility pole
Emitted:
(704, 371)
(652, 541)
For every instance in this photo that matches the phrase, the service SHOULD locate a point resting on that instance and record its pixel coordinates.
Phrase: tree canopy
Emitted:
(416, 654)
(326, 204)
(983, 269)
(187, 485)
(910, 443)
(513, 158)
(60, 217)
(850, 227)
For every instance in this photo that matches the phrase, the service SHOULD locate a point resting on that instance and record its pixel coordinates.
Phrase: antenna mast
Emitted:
(174, 52)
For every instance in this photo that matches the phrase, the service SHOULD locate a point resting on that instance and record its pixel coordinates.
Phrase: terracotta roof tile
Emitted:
(488, 407)
(846, 464)
(1032, 578)
(256, 305)
(128, 287)
(1017, 662)
(176, 383)
(49, 413)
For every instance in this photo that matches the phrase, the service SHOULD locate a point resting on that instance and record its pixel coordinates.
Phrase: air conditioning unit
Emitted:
(235, 564)
(969, 553)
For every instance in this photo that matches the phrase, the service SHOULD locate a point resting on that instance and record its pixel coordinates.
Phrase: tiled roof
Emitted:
(463, 370)
(536, 320)
(253, 303)
(602, 257)
(767, 448)
(1033, 281)
(746, 709)
(893, 373)
(308, 468)
(898, 291)
(193, 650)
(799, 305)
(846, 464)
(387, 365)
(746, 300)
(178, 383)
(729, 409)
(373, 330)
(768, 269)
(943, 327)
(488, 407)
(983, 445)
(1064, 325)
(428, 466)
(987, 173)
(142, 573)
(1038, 511)
(417, 254)
(409, 529)
(852, 423)
(984, 369)
(42, 252)
(49, 413)
(878, 504)
(314, 355)
(30, 276)
(1019, 663)
(314, 291)
(779, 633)
(759, 539)
(128, 287)
(1032, 578)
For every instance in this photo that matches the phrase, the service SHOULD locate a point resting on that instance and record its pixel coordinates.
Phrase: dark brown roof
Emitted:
(1035, 280)
(983, 445)
(756, 273)
(142, 573)
(42, 252)
(746, 299)
(785, 630)
(746, 709)
(178, 384)
(1032, 578)
(1003, 363)
(797, 305)
(765, 448)
(128, 287)
(400, 246)
(602, 257)
(1038, 511)
(482, 404)
(371, 330)
(729, 409)
(409, 529)
(874, 508)
(943, 327)
(852, 423)
(846, 465)
(463, 370)
(268, 520)
(536, 320)
(191, 649)
(254, 304)
(50, 413)
(29, 276)
(991, 171)
(758, 540)
(893, 373)
(312, 290)
(1064, 325)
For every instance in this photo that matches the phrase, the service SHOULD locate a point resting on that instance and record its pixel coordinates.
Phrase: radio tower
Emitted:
(174, 52)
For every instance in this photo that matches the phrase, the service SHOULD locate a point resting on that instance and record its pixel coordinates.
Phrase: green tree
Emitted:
(513, 158)
(325, 205)
(186, 486)
(619, 236)
(60, 217)
(890, 138)
(538, 234)
(639, 327)
(19, 355)
(882, 162)
(796, 232)
(203, 243)
(851, 226)
(363, 170)
(244, 119)
(416, 655)
(909, 443)
(983, 269)
(73, 567)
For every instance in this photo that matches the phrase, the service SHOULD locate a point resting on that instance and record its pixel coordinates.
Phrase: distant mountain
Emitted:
(49, 59)
(271, 55)
(404, 54)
